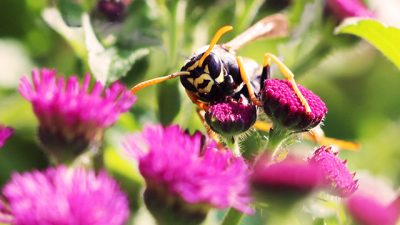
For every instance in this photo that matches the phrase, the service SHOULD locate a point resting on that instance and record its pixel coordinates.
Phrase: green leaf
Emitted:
(168, 101)
(122, 62)
(71, 12)
(108, 64)
(319, 221)
(73, 35)
(385, 38)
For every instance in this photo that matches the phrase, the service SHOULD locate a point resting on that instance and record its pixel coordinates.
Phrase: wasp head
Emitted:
(205, 76)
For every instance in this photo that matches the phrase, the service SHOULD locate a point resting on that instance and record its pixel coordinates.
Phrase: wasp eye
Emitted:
(213, 65)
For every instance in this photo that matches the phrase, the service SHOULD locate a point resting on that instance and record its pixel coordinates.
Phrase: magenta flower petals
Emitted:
(283, 106)
(5, 134)
(349, 8)
(231, 117)
(59, 196)
(290, 174)
(171, 160)
(336, 173)
(283, 184)
(113, 10)
(368, 211)
(70, 115)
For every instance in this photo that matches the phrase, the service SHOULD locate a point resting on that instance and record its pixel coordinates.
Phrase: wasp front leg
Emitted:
(268, 57)
(246, 81)
(201, 105)
(201, 110)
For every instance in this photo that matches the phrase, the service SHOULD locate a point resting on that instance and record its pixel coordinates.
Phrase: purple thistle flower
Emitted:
(59, 196)
(283, 184)
(368, 211)
(5, 133)
(183, 168)
(348, 8)
(283, 106)
(291, 174)
(70, 115)
(112, 9)
(336, 173)
(231, 117)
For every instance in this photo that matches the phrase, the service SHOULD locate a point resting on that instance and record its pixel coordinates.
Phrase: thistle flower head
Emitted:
(5, 133)
(231, 117)
(348, 8)
(112, 9)
(368, 211)
(283, 106)
(181, 166)
(283, 183)
(59, 196)
(71, 115)
(335, 171)
(290, 174)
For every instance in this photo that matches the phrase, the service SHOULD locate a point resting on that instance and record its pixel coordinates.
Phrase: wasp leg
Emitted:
(288, 75)
(157, 80)
(196, 101)
(315, 135)
(201, 109)
(210, 132)
(246, 81)
(318, 136)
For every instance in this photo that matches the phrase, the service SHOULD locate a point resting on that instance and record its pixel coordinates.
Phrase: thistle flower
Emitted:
(283, 183)
(186, 176)
(283, 106)
(113, 9)
(5, 133)
(368, 211)
(59, 196)
(335, 171)
(348, 8)
(231, 117)
(70, 116)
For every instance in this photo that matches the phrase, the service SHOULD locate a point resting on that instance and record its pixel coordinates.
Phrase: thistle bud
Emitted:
(283, 106)
(231, 117)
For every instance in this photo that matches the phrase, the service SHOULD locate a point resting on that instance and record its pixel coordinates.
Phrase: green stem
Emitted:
(277, 136)
(233, 144)
(232, 217)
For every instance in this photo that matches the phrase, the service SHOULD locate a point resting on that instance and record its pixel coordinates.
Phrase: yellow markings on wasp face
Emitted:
(191, 80)
(220, 77)
(204, 77)
(201, 79)
(206, 69)
(194, 66)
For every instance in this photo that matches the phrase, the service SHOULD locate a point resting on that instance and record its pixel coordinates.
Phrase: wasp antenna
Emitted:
(214, 41)
(157, 80)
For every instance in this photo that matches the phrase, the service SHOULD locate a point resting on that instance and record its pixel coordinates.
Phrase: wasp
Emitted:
(215, 72)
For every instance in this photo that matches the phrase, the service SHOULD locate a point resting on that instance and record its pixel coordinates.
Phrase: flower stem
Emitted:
(277, 136)
(232, 144)
(232, 217)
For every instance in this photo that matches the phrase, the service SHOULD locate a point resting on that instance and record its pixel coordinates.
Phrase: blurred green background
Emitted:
(358, 84)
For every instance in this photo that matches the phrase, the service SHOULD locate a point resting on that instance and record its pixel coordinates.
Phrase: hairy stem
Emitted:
(232, 217)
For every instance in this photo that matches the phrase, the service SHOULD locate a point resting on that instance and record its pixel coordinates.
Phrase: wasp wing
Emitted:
(270, 26)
